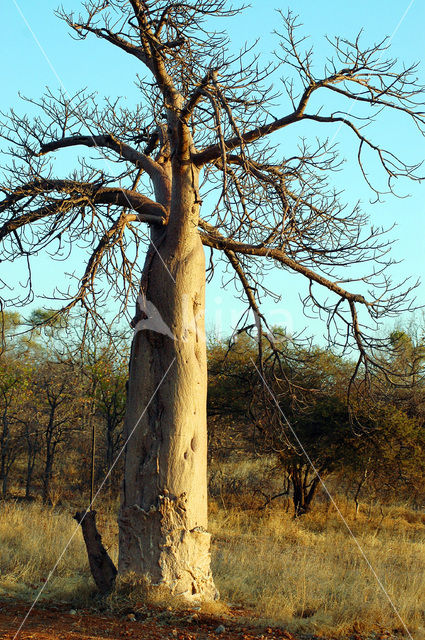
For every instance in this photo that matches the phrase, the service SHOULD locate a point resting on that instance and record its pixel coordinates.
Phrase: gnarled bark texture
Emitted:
(163, 517)
(202, 108)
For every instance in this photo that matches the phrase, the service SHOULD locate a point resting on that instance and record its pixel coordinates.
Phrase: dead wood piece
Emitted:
(101, 566)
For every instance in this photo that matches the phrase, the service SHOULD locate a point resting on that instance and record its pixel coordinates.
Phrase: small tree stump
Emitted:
(101, 566)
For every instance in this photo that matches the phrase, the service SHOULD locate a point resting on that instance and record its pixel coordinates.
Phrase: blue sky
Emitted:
(28, 66)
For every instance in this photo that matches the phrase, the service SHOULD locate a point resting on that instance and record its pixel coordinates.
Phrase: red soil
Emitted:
(57, 623)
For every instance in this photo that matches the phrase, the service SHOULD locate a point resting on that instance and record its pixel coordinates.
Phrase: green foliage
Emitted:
(47, 318)
(303, 418)
(10, 321)
(56, 386)
(374, 450)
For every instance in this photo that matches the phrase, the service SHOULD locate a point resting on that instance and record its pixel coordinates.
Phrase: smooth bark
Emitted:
(163, 518)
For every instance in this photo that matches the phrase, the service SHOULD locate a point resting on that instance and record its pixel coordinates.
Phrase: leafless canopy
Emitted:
(263, 207)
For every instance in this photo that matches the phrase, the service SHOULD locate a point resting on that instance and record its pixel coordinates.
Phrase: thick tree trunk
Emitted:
(163, 517)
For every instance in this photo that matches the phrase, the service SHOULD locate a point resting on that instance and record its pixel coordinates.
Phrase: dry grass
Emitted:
(32, 537)
(310, 575)
(304, 575)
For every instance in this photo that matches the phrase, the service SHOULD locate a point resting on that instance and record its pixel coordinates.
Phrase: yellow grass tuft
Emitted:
(304, 574)
(32, 537)
(308, 574)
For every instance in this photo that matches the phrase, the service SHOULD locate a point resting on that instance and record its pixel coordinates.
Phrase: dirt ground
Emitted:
(147, 623)
(63, 623)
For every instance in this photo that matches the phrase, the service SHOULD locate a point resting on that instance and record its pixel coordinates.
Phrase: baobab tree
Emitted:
(202, 137)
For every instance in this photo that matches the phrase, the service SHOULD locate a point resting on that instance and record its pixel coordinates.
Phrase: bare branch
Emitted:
(124, 150)
(214, 152)
(147, 210)
(215, 240)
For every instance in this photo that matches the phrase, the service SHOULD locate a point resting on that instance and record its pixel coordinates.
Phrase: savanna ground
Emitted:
(277, 576)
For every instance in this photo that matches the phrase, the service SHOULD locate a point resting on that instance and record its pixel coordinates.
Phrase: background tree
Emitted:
(60, 415)
(105, 372)
(60, 382)
(231, 380)
(12, 386)
(32, 436)
(204, 127)
(100, 363)
(110, 408)
(29, 420)
(306, 411)
(371, 447)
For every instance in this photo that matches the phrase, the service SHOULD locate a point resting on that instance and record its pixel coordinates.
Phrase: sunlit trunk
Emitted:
(163, 518)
